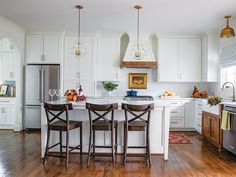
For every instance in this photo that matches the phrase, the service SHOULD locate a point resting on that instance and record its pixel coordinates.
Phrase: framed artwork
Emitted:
(3, 90)
(137, 80)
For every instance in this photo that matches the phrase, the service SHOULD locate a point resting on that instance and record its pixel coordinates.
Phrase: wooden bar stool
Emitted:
(140, 121)
(56, 123)
(101, 122)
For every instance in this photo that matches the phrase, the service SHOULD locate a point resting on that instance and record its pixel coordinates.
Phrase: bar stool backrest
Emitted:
(54, 112)
(101, 111)
(139, 112)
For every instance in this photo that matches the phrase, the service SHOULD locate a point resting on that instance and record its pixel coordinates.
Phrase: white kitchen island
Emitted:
(159, 127)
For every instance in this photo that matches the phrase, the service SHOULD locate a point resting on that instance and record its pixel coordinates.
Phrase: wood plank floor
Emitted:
(20, 157)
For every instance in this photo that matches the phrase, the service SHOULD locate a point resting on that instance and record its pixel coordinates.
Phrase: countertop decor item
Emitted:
(212, 100)
(137, 80)
(198, 94)
(3, 90)
(132, 93)
(227, 32)
(71, 95)
(109, 87)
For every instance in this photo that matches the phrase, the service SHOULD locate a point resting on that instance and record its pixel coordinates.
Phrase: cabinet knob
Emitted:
(11, 74)
(42, 57)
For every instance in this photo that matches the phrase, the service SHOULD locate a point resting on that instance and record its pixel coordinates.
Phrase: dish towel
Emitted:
(226, 120)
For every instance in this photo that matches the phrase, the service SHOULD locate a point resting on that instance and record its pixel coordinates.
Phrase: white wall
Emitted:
(16, 35)
(154, 88)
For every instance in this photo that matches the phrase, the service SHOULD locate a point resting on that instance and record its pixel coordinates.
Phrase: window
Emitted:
(229, 74)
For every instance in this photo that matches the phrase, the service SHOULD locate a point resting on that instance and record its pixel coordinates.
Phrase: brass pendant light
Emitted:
(79, 49)
(227, 32)
(138, 51)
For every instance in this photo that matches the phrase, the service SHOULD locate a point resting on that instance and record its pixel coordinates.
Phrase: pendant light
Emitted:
(138, 51)
(227, 32)
(79, 49)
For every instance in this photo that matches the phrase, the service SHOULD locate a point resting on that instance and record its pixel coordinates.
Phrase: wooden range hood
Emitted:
(139, 64)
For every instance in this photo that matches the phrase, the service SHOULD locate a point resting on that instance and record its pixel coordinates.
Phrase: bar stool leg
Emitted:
(148, 147)
(60, 134)
(125, 143)
(89, 148)
(81, 141)
(94, 143)
(67, 148)
(116, 141)
(112, 145)
(47, 144)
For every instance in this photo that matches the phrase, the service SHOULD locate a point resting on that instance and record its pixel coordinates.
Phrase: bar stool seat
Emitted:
(55, 122)
(137, 126)
(60, 125)
(103, 125)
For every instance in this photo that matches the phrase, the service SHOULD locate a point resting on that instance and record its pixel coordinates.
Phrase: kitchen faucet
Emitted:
(228, 87)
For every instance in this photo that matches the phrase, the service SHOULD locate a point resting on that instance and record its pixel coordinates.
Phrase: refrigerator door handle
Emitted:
(40, 85)
(43, 83)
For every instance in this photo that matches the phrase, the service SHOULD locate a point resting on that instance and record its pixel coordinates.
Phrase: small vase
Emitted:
(109, 93)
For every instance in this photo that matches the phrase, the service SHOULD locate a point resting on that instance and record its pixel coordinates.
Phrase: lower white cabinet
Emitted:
(198, 115)
(7, 114)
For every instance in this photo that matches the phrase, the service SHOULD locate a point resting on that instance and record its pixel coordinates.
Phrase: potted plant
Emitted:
(109, 87)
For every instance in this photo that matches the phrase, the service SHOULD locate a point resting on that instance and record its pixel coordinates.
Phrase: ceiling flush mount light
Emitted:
(227, 32)
(137, 51)
(79, 49)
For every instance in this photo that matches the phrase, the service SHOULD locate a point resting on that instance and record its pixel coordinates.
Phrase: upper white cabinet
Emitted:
(8, 66)
(210, 57)
(179, 60)
(168, 60)
(7, 46)
(190, 60)
(43, 48)
(79, 70)
(108, 58)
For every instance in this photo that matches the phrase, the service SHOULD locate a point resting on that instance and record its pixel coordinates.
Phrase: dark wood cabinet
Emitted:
(211, 130)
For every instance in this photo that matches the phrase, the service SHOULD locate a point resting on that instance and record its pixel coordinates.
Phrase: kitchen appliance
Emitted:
(229, 136)
(39, 79)
(138, 98)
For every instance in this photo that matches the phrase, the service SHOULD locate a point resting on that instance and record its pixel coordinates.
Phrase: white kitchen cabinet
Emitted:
(189, 114)
(198, 115)
(79, 70)
(210, 57)
(190, 60)
(43, 48)
(179, 60)
(7, 46)
(7, 60)
(168, 60)
(108, 58)
(7, 114)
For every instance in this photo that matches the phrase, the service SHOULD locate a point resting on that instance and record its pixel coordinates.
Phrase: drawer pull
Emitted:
(174, 122)
(174, 112)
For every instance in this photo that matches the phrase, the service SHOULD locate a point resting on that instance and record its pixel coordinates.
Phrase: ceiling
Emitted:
(161, 16)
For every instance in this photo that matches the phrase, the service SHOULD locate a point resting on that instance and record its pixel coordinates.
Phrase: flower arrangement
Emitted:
(109, 86)
(212, 100)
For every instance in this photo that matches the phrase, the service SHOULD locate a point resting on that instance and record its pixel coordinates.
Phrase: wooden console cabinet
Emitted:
(211, 129)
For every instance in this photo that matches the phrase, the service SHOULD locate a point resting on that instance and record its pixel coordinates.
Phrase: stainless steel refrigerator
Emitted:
(38, 80)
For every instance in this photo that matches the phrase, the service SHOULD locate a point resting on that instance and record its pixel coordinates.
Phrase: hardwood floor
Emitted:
(20, 157)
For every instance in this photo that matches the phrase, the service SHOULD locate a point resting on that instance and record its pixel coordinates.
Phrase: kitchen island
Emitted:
(159, 127)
